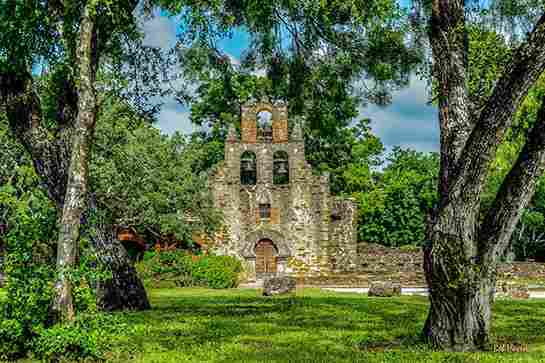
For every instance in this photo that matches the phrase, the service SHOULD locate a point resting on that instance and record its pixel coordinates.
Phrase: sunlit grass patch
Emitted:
(239, 325)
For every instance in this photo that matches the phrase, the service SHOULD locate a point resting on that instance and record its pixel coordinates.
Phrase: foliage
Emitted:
(217, 272)
(489, 54)
(394, 211)
(184, 270)
(15, 166)
(85, 338)
(306, 47)
(147, 180)
(29, 218)
(30, 270)
(529, 237)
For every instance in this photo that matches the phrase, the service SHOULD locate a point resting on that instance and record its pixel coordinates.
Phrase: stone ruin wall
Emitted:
(405, 265)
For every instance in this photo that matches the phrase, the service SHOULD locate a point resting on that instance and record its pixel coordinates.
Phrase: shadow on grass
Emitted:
(239, 326)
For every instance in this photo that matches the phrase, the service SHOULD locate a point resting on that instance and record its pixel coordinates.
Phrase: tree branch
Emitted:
(527, 64)
(448, 39)
(24, 115)
(515, 192)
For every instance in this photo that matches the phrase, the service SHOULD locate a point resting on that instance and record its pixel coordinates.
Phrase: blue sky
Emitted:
(407, 122)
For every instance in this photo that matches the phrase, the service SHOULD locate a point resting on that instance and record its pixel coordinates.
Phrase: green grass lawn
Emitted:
(199, 325)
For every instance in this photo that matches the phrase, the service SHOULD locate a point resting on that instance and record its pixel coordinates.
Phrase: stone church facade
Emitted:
(279, 217)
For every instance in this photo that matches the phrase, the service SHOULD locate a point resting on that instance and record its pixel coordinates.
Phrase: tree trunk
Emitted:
(460, 259)
(123, 290)
(460, 294)
(78, 180)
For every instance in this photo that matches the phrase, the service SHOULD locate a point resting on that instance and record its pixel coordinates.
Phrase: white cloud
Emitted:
(159, 32)
(261, 72)
(408, 122)
(174, 117)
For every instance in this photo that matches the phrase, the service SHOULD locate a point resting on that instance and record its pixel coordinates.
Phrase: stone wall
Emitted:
(398, 264)
(405, 265)
(343, 234)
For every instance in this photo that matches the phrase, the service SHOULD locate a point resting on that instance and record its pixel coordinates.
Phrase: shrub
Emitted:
(217, 272)
(12, 339)
(25, 320)
(183, 270)
(85, 338)
(166, 267)
(29, 273)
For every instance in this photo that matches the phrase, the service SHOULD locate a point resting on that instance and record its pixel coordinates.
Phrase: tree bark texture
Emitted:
(124, 290)
(461, 256)
(78, 171)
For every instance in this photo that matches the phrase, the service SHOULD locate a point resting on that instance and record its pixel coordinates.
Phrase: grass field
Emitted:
(200, 325)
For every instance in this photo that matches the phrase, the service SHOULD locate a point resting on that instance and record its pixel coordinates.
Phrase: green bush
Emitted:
(29, 272)
(183, 270)
(166, 267)
(13, 339)
(217, 272)
(85, 338)
(25, 318)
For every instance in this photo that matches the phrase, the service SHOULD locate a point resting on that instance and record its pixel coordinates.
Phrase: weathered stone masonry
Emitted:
(293, 227)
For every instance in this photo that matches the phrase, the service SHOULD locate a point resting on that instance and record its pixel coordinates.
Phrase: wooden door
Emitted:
(265, 261)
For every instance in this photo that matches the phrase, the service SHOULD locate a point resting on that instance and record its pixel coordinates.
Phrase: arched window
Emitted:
(248, 168)
(264, 123)
(281, 168)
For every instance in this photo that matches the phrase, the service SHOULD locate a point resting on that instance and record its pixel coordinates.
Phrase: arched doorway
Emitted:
(265, 257)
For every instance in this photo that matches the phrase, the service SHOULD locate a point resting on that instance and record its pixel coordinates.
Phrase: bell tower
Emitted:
(275, 208)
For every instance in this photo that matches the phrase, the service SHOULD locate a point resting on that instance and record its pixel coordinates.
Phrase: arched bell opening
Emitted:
(248, 168)
(281, 168)
(264, 125)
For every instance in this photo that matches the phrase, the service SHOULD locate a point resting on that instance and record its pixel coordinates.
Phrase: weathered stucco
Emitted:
(313, 232)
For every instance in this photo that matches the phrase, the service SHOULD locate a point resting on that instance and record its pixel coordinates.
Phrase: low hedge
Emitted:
(177, 268)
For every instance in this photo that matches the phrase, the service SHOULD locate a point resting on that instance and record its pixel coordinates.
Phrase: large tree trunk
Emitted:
(78, 172)
(123, 290)
(460, 293)
(461, 257)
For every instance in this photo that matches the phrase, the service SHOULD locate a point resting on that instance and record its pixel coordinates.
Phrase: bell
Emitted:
(248, 165)
(267, 132)
(282, 167)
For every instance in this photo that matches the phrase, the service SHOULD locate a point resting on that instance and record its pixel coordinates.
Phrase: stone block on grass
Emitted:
(280, 285)
(384, 289)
